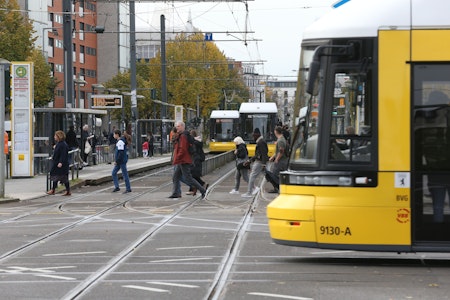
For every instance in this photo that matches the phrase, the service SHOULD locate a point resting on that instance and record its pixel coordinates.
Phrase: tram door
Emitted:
(431, 152)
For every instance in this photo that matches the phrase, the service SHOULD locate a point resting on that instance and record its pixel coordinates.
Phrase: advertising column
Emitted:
(21, 119)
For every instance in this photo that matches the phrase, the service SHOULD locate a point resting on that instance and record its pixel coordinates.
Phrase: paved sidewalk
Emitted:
(35, 187)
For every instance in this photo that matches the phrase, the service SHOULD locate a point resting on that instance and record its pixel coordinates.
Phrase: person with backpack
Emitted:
(182, 160)
(197, 158)
(242, 164)
(280, 160)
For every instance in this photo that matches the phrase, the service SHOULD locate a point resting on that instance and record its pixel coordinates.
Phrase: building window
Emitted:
(59, 68)
(91, 73)
(91, 51)
(81, 54)
(59, 44)
(81, 33)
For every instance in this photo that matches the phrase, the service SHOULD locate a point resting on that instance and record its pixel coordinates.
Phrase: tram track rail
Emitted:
(217, 284)
(84, 286)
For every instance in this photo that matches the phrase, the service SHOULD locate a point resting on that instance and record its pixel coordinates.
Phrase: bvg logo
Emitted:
(403, 215)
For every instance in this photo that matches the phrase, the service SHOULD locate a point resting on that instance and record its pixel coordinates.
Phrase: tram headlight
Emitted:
(320, 180)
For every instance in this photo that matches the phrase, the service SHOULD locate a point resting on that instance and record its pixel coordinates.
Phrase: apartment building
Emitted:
(100, 44)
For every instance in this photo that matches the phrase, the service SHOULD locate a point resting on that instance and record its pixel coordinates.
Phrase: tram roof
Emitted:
(71, 110)
(258, 107)
(362, 18)
(225, 114)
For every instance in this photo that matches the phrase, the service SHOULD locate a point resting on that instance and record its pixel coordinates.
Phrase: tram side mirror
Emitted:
(313, 78)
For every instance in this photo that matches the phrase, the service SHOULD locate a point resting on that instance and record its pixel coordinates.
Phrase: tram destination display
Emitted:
(106, 101)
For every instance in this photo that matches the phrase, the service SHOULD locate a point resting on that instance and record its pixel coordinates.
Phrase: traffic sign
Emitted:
(208, 36)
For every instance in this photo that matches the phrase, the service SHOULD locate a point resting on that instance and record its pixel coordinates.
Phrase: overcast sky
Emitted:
(277, 25)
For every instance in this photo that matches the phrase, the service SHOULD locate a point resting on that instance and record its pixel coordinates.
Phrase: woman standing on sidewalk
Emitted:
(60, 166)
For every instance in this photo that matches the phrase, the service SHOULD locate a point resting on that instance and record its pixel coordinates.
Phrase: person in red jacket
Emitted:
(182, 161)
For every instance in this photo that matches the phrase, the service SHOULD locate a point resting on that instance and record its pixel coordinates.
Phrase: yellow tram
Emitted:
(261, 115)
(371, 169)
(224, 126)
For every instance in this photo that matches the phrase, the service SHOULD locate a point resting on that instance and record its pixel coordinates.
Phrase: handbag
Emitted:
(87, 148)
(243, 165)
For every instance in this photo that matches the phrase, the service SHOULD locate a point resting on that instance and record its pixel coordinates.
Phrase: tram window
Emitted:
(431, 144)
(224, 130)
(350, 136)
(264, 122)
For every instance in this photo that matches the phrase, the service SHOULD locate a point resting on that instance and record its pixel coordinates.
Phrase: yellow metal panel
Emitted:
(341, 215)
(385, 194)
(430, 45)
(251, 149)
(394, 100)
(283, 230)
(359, 225)
(291, 218)
(221, 146)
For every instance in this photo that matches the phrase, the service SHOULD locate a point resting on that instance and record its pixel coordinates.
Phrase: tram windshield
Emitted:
(339, 115)
(264, 122)
(224, 129)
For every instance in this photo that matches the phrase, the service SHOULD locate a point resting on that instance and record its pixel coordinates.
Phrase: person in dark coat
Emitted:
(72, 142)
(258, 163)
(151, 144)
(241, 154)
(197, 163)
(60, 166)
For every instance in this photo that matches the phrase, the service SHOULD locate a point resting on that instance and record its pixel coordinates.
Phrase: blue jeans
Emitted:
(116, 169)
(178, 185)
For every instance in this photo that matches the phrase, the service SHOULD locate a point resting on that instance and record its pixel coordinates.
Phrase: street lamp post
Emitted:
(54, 31)
(79, 82)
(114, 92)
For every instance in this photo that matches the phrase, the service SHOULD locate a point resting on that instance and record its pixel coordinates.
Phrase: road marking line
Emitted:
(82, 241)
(56, 277)
(175, 248)
(180, 259)
(280, 296)
(32, 269)
(74, 253)
(174, 284)
(145, 288)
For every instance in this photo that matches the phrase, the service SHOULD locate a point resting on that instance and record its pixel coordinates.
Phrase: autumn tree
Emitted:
(195, 68)
(16, 32)
(122, 82)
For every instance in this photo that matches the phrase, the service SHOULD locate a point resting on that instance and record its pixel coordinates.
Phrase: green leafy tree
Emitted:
(122, 82)
(16, 32)
(44, 83)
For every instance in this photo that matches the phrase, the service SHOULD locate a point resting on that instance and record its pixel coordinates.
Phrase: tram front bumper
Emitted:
(291, 218)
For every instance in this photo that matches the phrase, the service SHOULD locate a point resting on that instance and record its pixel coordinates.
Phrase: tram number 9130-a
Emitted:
(335, 230)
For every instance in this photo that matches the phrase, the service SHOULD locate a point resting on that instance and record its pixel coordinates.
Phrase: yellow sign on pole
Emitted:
(22, 149)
